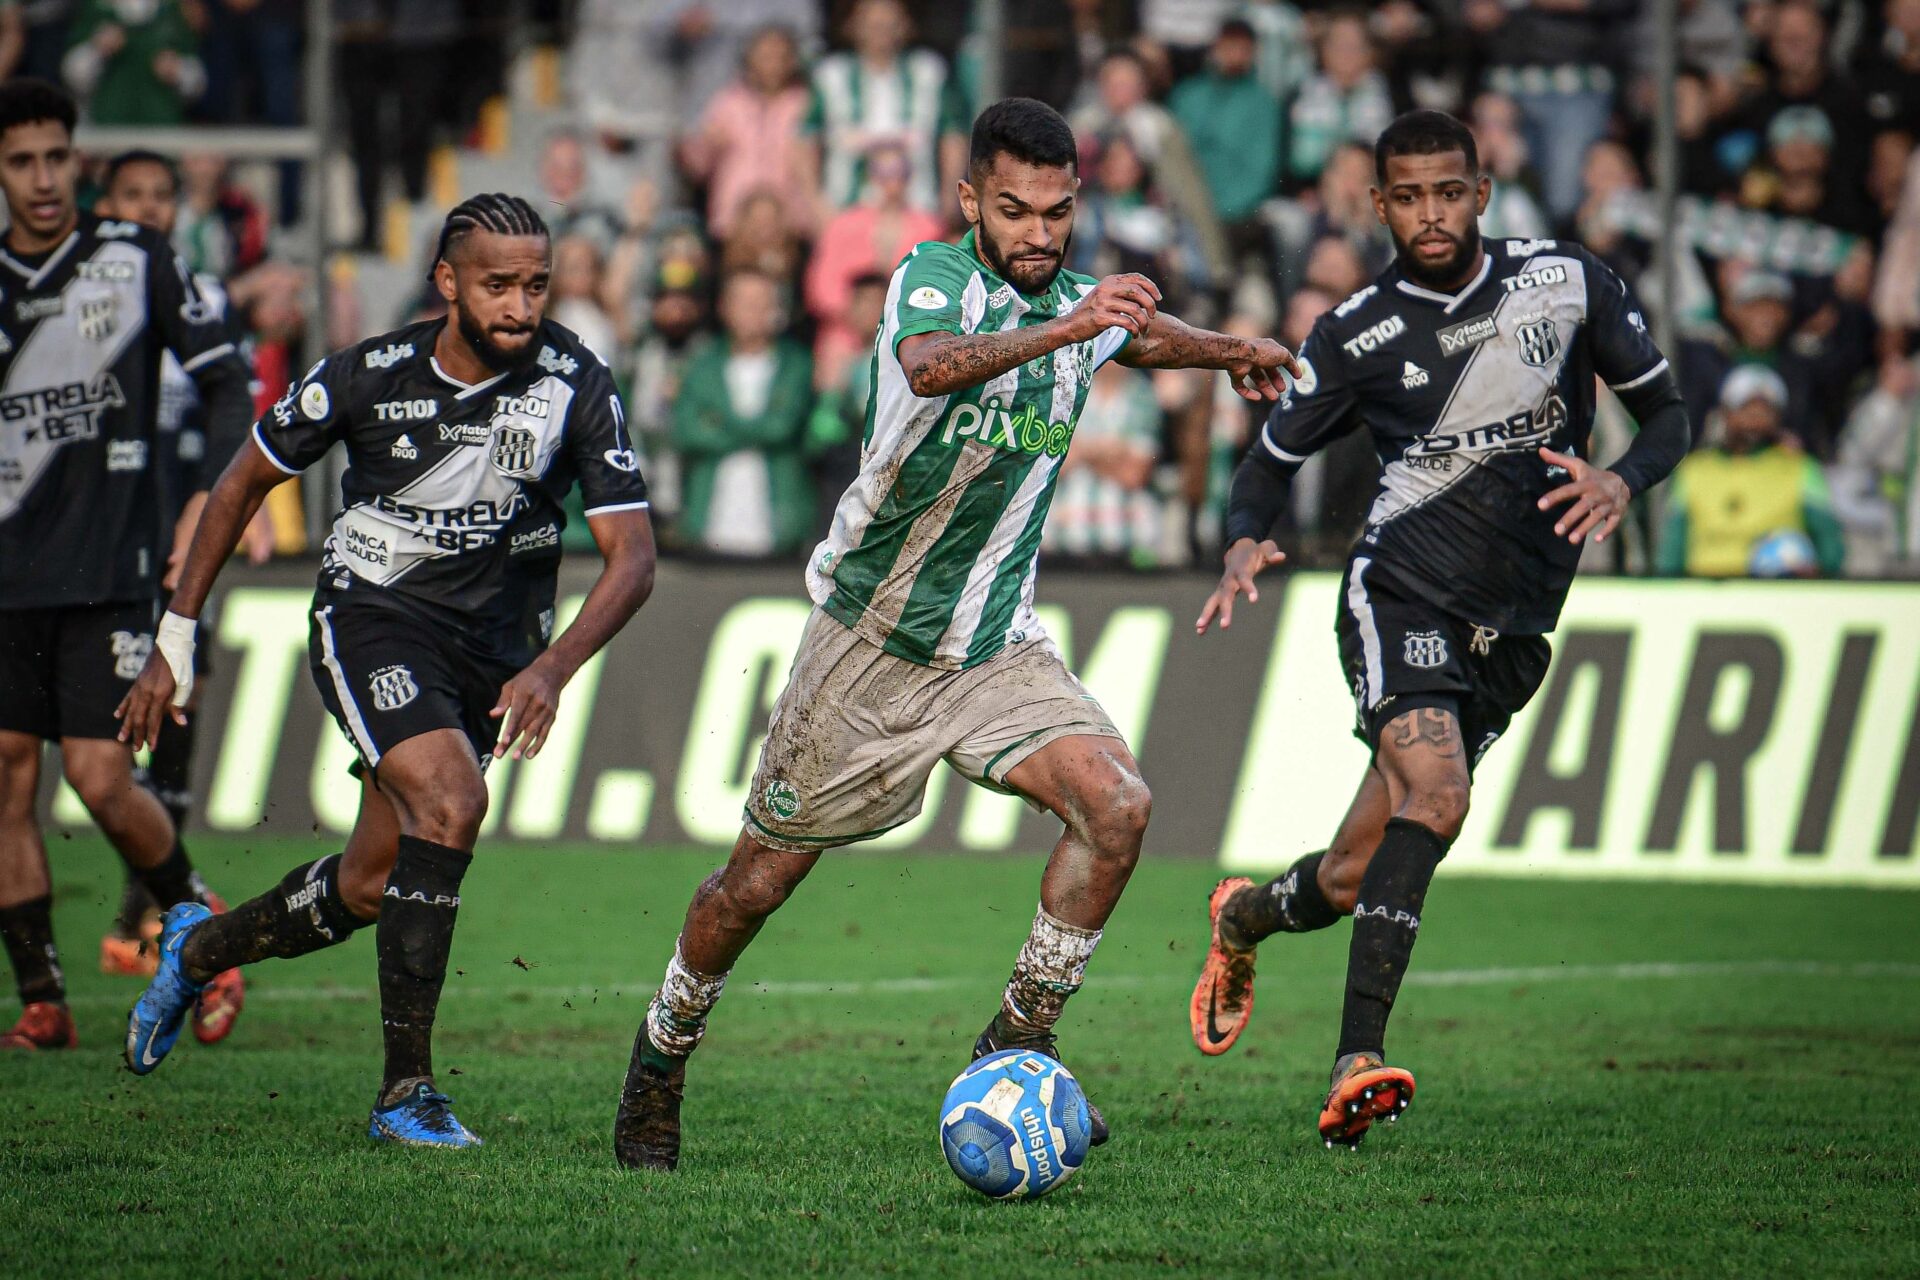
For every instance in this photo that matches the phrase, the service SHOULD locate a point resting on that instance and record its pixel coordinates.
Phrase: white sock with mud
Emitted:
(1050, 968)
(677, 1018)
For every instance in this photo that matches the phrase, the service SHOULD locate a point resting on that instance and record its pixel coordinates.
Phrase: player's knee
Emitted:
(1117, 820)
(19, 779)
(1439, 806)
(101, 783)
(1341, 872)
(361, 889)
(451, 814)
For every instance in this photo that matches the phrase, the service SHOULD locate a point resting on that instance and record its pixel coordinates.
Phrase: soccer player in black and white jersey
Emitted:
(1472, 365)
(431, 625)
(88, 307)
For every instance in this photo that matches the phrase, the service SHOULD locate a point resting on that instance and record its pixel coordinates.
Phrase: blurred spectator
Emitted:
(763, 242)
(837, 429)
(1125, 107)
(1710, 40)
(1333, 264)
(1876, 491)
(1097, 28)
(1340, 205)
(750, 136)
(1896, 290)
(133, 61)
(45, 23)
(252, 53)
(883, 92)
(1124, 225)
(673, 331)
(739, 423)
(1757, 314)
(1610, 171)
(1234, 126)
(393, 65)
(873, 235)
(1887, 173)
(1802, 78)
(1726, 500)
(1104, 508)
(1283, 54)
(1555, 59)
(1796, 177)
(1184, 28)
(574, 295)
(13, 38)
(222, 230)
(571, 205)
(1890, 77)
(1348, 100)
(1511, 209)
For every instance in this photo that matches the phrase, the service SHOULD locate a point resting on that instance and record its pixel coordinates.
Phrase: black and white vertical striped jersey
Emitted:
(82, 332)
(1460, 391)
(451, 497)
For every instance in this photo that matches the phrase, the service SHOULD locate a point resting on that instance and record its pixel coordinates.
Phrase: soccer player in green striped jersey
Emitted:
(924, 645)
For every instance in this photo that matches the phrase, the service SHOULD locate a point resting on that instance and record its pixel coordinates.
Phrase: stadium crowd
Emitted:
(731, 184)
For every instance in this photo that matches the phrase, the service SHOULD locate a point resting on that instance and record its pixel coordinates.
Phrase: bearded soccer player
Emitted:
(1472, 364)
(924, 645)
(430, 627)
(90, 307)
(142, 187)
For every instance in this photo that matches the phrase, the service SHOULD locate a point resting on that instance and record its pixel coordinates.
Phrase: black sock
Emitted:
(135, 901)
(27, 928)
(1386, 919)
(1292, 903)
(169, 770)
(415, 934)
(303, 913)
(173, 881)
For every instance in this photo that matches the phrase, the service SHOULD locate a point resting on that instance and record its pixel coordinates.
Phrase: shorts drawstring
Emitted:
(1483, 638)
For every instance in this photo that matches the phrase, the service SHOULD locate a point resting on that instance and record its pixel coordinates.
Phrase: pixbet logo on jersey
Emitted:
(1025, 432)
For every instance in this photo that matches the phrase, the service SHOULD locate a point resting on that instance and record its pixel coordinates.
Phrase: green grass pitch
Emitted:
(1614, 1080)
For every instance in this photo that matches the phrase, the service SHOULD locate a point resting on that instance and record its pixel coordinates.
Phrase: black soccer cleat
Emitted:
(1049, 1045)
(646, 1128)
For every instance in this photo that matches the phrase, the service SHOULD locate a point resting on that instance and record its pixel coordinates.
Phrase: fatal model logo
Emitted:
(1539, 342)
(1467, 335)
(392, 688)
(1425, 649)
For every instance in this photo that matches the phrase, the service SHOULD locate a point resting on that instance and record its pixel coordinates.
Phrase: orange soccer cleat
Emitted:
(43, 1025)
(1223, 999)
(132, 957)
(220, 1003)
(1364, 1089)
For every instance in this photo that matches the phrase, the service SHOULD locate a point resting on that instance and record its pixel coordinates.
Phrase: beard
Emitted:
(491, 353)
(1027, 277)
(1441, 275)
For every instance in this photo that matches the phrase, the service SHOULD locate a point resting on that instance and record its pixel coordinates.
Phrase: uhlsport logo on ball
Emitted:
(1014, 1125)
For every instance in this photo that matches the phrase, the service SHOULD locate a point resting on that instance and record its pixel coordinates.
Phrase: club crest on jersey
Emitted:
(1425, 649)
(1413, 376)
(99, 318)
(393, 688)
(1539, 342)
(391, 355)
(782, 801)
(513, 450)
(553, 362)
(1467, 335)
(130, 650)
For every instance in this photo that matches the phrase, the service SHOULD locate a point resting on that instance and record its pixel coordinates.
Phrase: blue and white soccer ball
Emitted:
(1784, 553)
(1014, 1125)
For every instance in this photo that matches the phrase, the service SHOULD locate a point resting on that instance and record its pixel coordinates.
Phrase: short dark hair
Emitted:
(1026, 129)
(30, 101)
(139, 155)
(1423, 133)
(498, 212)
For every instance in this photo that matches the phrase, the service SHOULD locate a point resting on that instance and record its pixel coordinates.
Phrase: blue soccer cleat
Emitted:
(421, 1119)
(154, 1023)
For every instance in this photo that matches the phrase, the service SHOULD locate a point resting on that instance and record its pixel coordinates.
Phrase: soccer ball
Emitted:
(1784, 553)
(1014, 1125)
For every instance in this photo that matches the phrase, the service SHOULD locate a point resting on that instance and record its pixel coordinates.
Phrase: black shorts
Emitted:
(64, 670)
(1400, 654)
(387, 677)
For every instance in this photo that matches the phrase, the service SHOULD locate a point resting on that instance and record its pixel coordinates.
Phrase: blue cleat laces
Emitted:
(154, 1022)
(422, 1118)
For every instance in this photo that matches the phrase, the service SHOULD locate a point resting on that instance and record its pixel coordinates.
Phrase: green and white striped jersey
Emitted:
(933, 548)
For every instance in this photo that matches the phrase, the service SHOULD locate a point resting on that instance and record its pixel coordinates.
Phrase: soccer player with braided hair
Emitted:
(431, 630)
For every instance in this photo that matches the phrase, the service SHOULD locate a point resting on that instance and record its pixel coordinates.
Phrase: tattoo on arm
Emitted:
(948, 362)
(1171, 343)
(1428, 726)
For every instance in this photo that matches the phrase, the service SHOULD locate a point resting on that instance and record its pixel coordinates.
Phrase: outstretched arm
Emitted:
(939, 363)
(1171, 343)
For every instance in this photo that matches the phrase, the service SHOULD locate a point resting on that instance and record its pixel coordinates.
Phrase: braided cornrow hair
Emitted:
(496, 211)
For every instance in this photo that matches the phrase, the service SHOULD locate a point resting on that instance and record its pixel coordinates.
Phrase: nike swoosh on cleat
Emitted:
(1214, 1034)
(146, 1051)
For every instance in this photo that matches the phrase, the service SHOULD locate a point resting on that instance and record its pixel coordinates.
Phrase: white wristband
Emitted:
(174, 639)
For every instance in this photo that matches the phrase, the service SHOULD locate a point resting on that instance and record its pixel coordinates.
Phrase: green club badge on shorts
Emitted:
(782, 801)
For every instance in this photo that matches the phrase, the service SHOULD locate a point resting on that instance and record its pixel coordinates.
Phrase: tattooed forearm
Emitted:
(1170, 343)
(1428, 726)
(938, 364)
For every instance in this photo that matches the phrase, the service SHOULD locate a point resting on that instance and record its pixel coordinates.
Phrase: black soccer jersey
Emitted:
(81, 335)
(1460, 391)
(452, 490)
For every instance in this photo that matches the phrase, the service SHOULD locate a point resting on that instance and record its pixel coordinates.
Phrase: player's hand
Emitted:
(526, 708)
(1245, 560)
(1258, 376)
(1599, 499)
(146, 705)
(1127, 301)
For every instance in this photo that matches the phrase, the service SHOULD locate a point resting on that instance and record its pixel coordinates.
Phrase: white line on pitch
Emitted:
(1491, 977)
